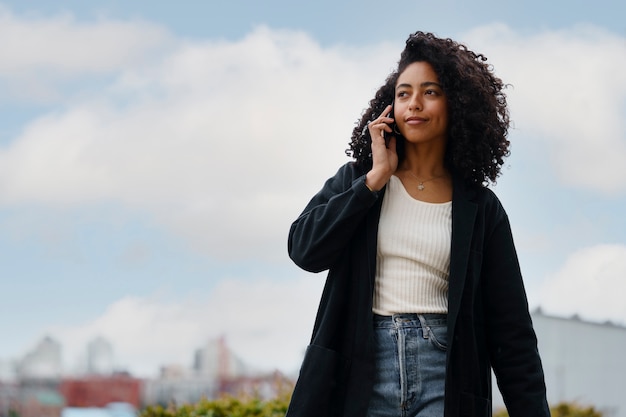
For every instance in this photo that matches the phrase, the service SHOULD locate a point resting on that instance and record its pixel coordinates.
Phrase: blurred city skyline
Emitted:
(46, 361)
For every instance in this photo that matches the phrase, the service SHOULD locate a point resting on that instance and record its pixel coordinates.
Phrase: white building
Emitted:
(584, 362)
(44, 362)
(215, 360)
(100, 357)
(7, 370)
(187, 389)
(213, 366)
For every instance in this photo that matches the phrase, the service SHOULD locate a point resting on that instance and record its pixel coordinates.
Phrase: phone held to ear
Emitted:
(394, 127)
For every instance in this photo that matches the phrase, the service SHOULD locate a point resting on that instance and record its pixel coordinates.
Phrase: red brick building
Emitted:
(99, 391)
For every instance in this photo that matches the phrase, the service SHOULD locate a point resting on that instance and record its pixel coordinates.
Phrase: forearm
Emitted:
(328, 223)
(511, 337)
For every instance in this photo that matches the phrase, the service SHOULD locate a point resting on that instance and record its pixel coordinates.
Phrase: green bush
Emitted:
(564, 410)
(255, 407)
(224, 407)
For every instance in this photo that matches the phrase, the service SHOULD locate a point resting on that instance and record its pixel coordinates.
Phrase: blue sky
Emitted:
(153, 155)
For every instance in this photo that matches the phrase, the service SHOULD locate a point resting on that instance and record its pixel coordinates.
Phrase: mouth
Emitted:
(415, 120)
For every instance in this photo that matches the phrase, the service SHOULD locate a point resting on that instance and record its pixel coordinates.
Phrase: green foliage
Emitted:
(224, 407)
(277, 407)
(564, 410)
(574, 410)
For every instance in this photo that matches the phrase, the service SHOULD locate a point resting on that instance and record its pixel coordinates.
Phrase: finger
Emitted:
(382, 135)
(379, 123)
(385, 113)
(384, 127)
(383, 117)
(378, 130)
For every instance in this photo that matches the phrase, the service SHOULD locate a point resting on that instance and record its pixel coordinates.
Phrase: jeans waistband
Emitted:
(411, 319)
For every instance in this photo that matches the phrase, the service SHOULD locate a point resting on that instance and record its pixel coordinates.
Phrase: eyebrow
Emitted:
(424, 84)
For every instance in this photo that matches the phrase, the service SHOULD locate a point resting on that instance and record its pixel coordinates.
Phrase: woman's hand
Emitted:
(384, 156)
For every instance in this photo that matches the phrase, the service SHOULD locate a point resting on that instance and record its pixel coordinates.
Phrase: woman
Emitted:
(424, 294)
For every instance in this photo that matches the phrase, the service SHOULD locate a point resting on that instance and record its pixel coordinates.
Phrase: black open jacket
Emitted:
(489, 325)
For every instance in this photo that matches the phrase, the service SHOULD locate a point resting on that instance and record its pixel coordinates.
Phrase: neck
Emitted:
(424, 160)
(424, 167)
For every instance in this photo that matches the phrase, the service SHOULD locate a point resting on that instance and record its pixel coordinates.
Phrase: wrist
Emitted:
(374, 181)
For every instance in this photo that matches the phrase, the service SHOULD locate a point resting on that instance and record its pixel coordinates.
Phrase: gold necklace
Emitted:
(420, 185)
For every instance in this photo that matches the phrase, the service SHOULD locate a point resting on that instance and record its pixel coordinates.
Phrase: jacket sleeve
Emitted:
(511, 339)
(321, 233)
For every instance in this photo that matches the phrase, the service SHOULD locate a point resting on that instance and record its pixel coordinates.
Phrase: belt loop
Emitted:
(425, 327)
(394, 321)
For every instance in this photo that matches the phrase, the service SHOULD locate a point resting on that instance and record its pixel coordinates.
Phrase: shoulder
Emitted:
(345, 176)
(488, 198)
(484, 197)
(350, 170)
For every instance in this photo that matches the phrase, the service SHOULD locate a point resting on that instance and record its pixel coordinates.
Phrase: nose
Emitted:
(415, 102)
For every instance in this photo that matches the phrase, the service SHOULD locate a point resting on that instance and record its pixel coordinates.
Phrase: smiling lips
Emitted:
(415, 120)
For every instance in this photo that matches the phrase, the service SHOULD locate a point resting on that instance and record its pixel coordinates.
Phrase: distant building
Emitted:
(263, 386)
(584, 362)
(111, 410)
(9, 400)
(44, 362)
(215, 360)
(100, 360)
(40, 403)
(215, 369)
(36, 398)
(186, 389)
(7, 370)
(100, 391)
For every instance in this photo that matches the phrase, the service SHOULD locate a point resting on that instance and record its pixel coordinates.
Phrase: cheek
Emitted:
(443, 113)
(398, 110)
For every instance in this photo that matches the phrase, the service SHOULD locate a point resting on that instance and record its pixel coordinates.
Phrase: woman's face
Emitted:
(420, 106)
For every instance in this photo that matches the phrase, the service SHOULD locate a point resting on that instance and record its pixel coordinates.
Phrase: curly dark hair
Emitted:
(477, 109)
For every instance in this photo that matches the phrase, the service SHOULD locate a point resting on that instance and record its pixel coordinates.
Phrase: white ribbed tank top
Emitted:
(413, 255)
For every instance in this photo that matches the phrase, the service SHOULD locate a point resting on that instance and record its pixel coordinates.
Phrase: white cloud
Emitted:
(568, 97)
(39, 52)
(223, 142)
(590, 284)
(267, 324)
(65, 46)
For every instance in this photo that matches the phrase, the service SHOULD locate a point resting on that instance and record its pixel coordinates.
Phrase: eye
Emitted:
(402, 94)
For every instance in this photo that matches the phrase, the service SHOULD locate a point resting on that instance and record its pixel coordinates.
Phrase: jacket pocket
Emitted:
(319, 389)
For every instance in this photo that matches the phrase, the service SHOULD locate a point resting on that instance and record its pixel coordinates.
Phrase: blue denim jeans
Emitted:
(410, 355)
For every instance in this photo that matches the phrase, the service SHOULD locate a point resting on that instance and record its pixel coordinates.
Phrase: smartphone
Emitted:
(394, 126)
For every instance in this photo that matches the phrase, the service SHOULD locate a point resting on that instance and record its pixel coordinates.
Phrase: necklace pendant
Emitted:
(420, 186)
